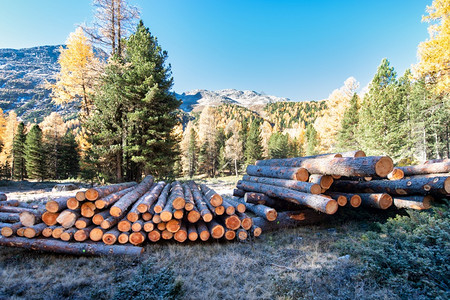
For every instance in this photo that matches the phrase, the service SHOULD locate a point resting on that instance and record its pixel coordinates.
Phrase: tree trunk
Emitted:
(325, 181)
(124, 225)
(192, 233)
(215, 229)
(355, 200)
(111, 198)
(231, 222)
(238, 205)
(119, 208)
(57, 205)
(83, 234)
(82, 223)
(305, 187)
(261, 210)
(150, 197)
(154, 235)
(205, 213)
(73, 203)
(49, 218)
(70, 248)
(10, 229)
(88, 209)
(396, 174)
(316, 202)
(203, 231)
(100, 192)
(380, 201)
(413, 202)
(161, 203)
(96, 234)
(110, 237)
(288, 162)
(238, 193)
(230, 234)
(9, 217)
(229, 209)
(137, 226)
(80, 196)
(181, 235)
(123, 238)
(299, 174)
(177, 196)
(246, 221)
(67, 218)
(427, 168)
(190, 204)
(148, 226)
(56, 233)
(109, 222)
(4, 202)
(3, 197)
(68, 234)
(34, 231)
(211, 196)
(242, 234)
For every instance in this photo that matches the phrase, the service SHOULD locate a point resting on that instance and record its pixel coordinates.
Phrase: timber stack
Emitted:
(119, 218)
(307, 190)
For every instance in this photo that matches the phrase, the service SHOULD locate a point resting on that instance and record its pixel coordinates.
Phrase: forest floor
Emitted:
(297, 263)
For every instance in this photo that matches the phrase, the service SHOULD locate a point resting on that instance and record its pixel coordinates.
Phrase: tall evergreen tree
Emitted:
(347, 136)
(278, 145)
(68, 157)
(192, 152)
(253, 145)
(311, 140)
(19, 152)
(35, 154)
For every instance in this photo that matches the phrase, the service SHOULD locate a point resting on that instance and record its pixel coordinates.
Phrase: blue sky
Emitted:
(296, 49)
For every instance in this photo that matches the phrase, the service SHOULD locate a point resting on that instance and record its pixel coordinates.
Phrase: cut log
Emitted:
(149, 198)
(381, 201)
(80, 196)
(238, 193)
(5, 202)
(190, 204)
(246, 221)
(166, 235)
(57, 205)
(421, 185)
(56, 233)
(413, 202)
(98, 218)
(100, 192)
(13, 209)
(124, 225)
(68, 234)
(355, 200)
(356, 153)
(83, 234)
(291, 162)
(211, 196)
(47, 232)
(203, 231)
(178, 214)
(261, 210)
(177, 196)
(161, 203)
(297, 174)
(340, 199)
(147, 216)
(229, 234)
(219, 210)
(111, 199)
(215, 229)
(156, 219)
(232, 222)
(427, 168)
(242, 234)
(96, 234)
(181, 235)
(10, 229)
(70, 248)
(229, 208)
(73, 203)
(119, 208)
(34, 231)
(109, 222)
(325, 181)
(192, 232)
(202, 207)
(316, 202)
(137, 226)
(9, 217)
(256, 231)
(82, 223)
(239, 206)
(259, 198)
(396, 174)
(49, 218)
(291, 219)
(88, 209)
(20, 231)
(305, 187)
(194, 215)
(67, 218)
(154, 235)
(161, 226)
(110, 237)
(123, 238)
(148, 226)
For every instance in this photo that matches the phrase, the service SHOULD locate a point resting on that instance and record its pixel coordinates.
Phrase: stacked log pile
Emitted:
(306, 190)
(117, 219)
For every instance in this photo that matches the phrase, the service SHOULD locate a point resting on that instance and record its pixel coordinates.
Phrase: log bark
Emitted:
(297, 174)
(181, 235)
(353, 200)
(277, 204)
(380, 201)
(246, 221)
(98, 218)
(291, 162)
(261, 210)
(80, 196)
(291, 219)
(203, 231)
(10, 229)
(190, 204)
(355, 153)
(325, 181)
(49, 218)
(421, 185)
(238, 193)
(34, 231)
(70, 248)
(215, 229)
(202, 207)
(194, 215)
(256, 231)
(110, 237)
(154, 235)
(82, 223)
(111, 199)
(9, 217)
(68, 234)
(13, 209)
(305, 187)
(340, 199)
(413, 202)
(83, 234)
(211, 196)
(316, 202)
(5, 202)
(177, 196)
(162, 200)
(67, 218)
(427, 168)
(229, 208)
(100, 192)
(57, 205)
(149, 198)
(109, 222)
(192, 232)
(238, 206)
(119, 208)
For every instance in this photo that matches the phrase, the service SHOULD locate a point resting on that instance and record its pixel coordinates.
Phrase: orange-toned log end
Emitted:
(326, 181)
(91, 194)
(96, 234)
(384, 166)
(47, 232)
(193, 236)
(124, 226)
(173, 225)
(161, 226)
(241, 208)
(137, 226)
(180, 236)
(154, 236)
(115, 211)
(385, 201)
(230, 210)
(52, 206)
(336, 176)
(355, 201)
(132, 217)
(359, 153)
(29, 233)
(109, 238)
(49, 218)
(247, 223)
(156, 219)
(233, 222)
(80, 236)
(178, 214)
(204, 236)
(193, 216)
(20, 231)
(123, 238)
(257, 231)
(427, 201)
(219, 210)
(178, 203)
(158, 209)
(166, 235)
(97, 219)
(136, 238)
(230, 234)
(271, 215)
(301, 175)
(80, 196)
(337, 155)
(342, 200)
(147, 216)
(66, 236)
(148, 226)
(396, 174)
(242, 234)
(331, 207)
(142, 208)
(298, 217)
(316, 189)
(7, 232)
(166, 216)
(100, 204)
(217, 231)
(447, 185)
(207, 217)
(189, 206)
(73, 203)
(88, 209)
(56, 233)
(216, 200)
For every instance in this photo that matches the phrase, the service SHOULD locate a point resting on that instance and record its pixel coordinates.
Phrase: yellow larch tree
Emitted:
(434, 53)
(79, 71)
(2, 128)
(6, 159)
(329, 123)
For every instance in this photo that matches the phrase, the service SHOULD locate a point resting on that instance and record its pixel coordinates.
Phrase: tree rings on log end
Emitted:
(217, 231)
(115, 211)
(385, 201)
(331, 207)
(355, 201)
(341, 200)
(207, 217)
(384, 166)
(180, 236)
(271, 215)
(230, 234)
(316, 189)
(178, 203)
(232, 222)
(123, 238)
(447, 185)
(136, 238)
(166, 216)
(216, 200)
(154, 235)
(173, 225)
(193, 216)
(80, 196)
(247, 223)
(301, 175)
(91, 194)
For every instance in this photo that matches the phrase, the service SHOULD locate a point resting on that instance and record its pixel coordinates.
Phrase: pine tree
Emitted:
(34, 154)
(278, 145)
(192, 152)
(347, 136)
(19, 152)
(311, 140)
(68, 157)
(253, 145)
